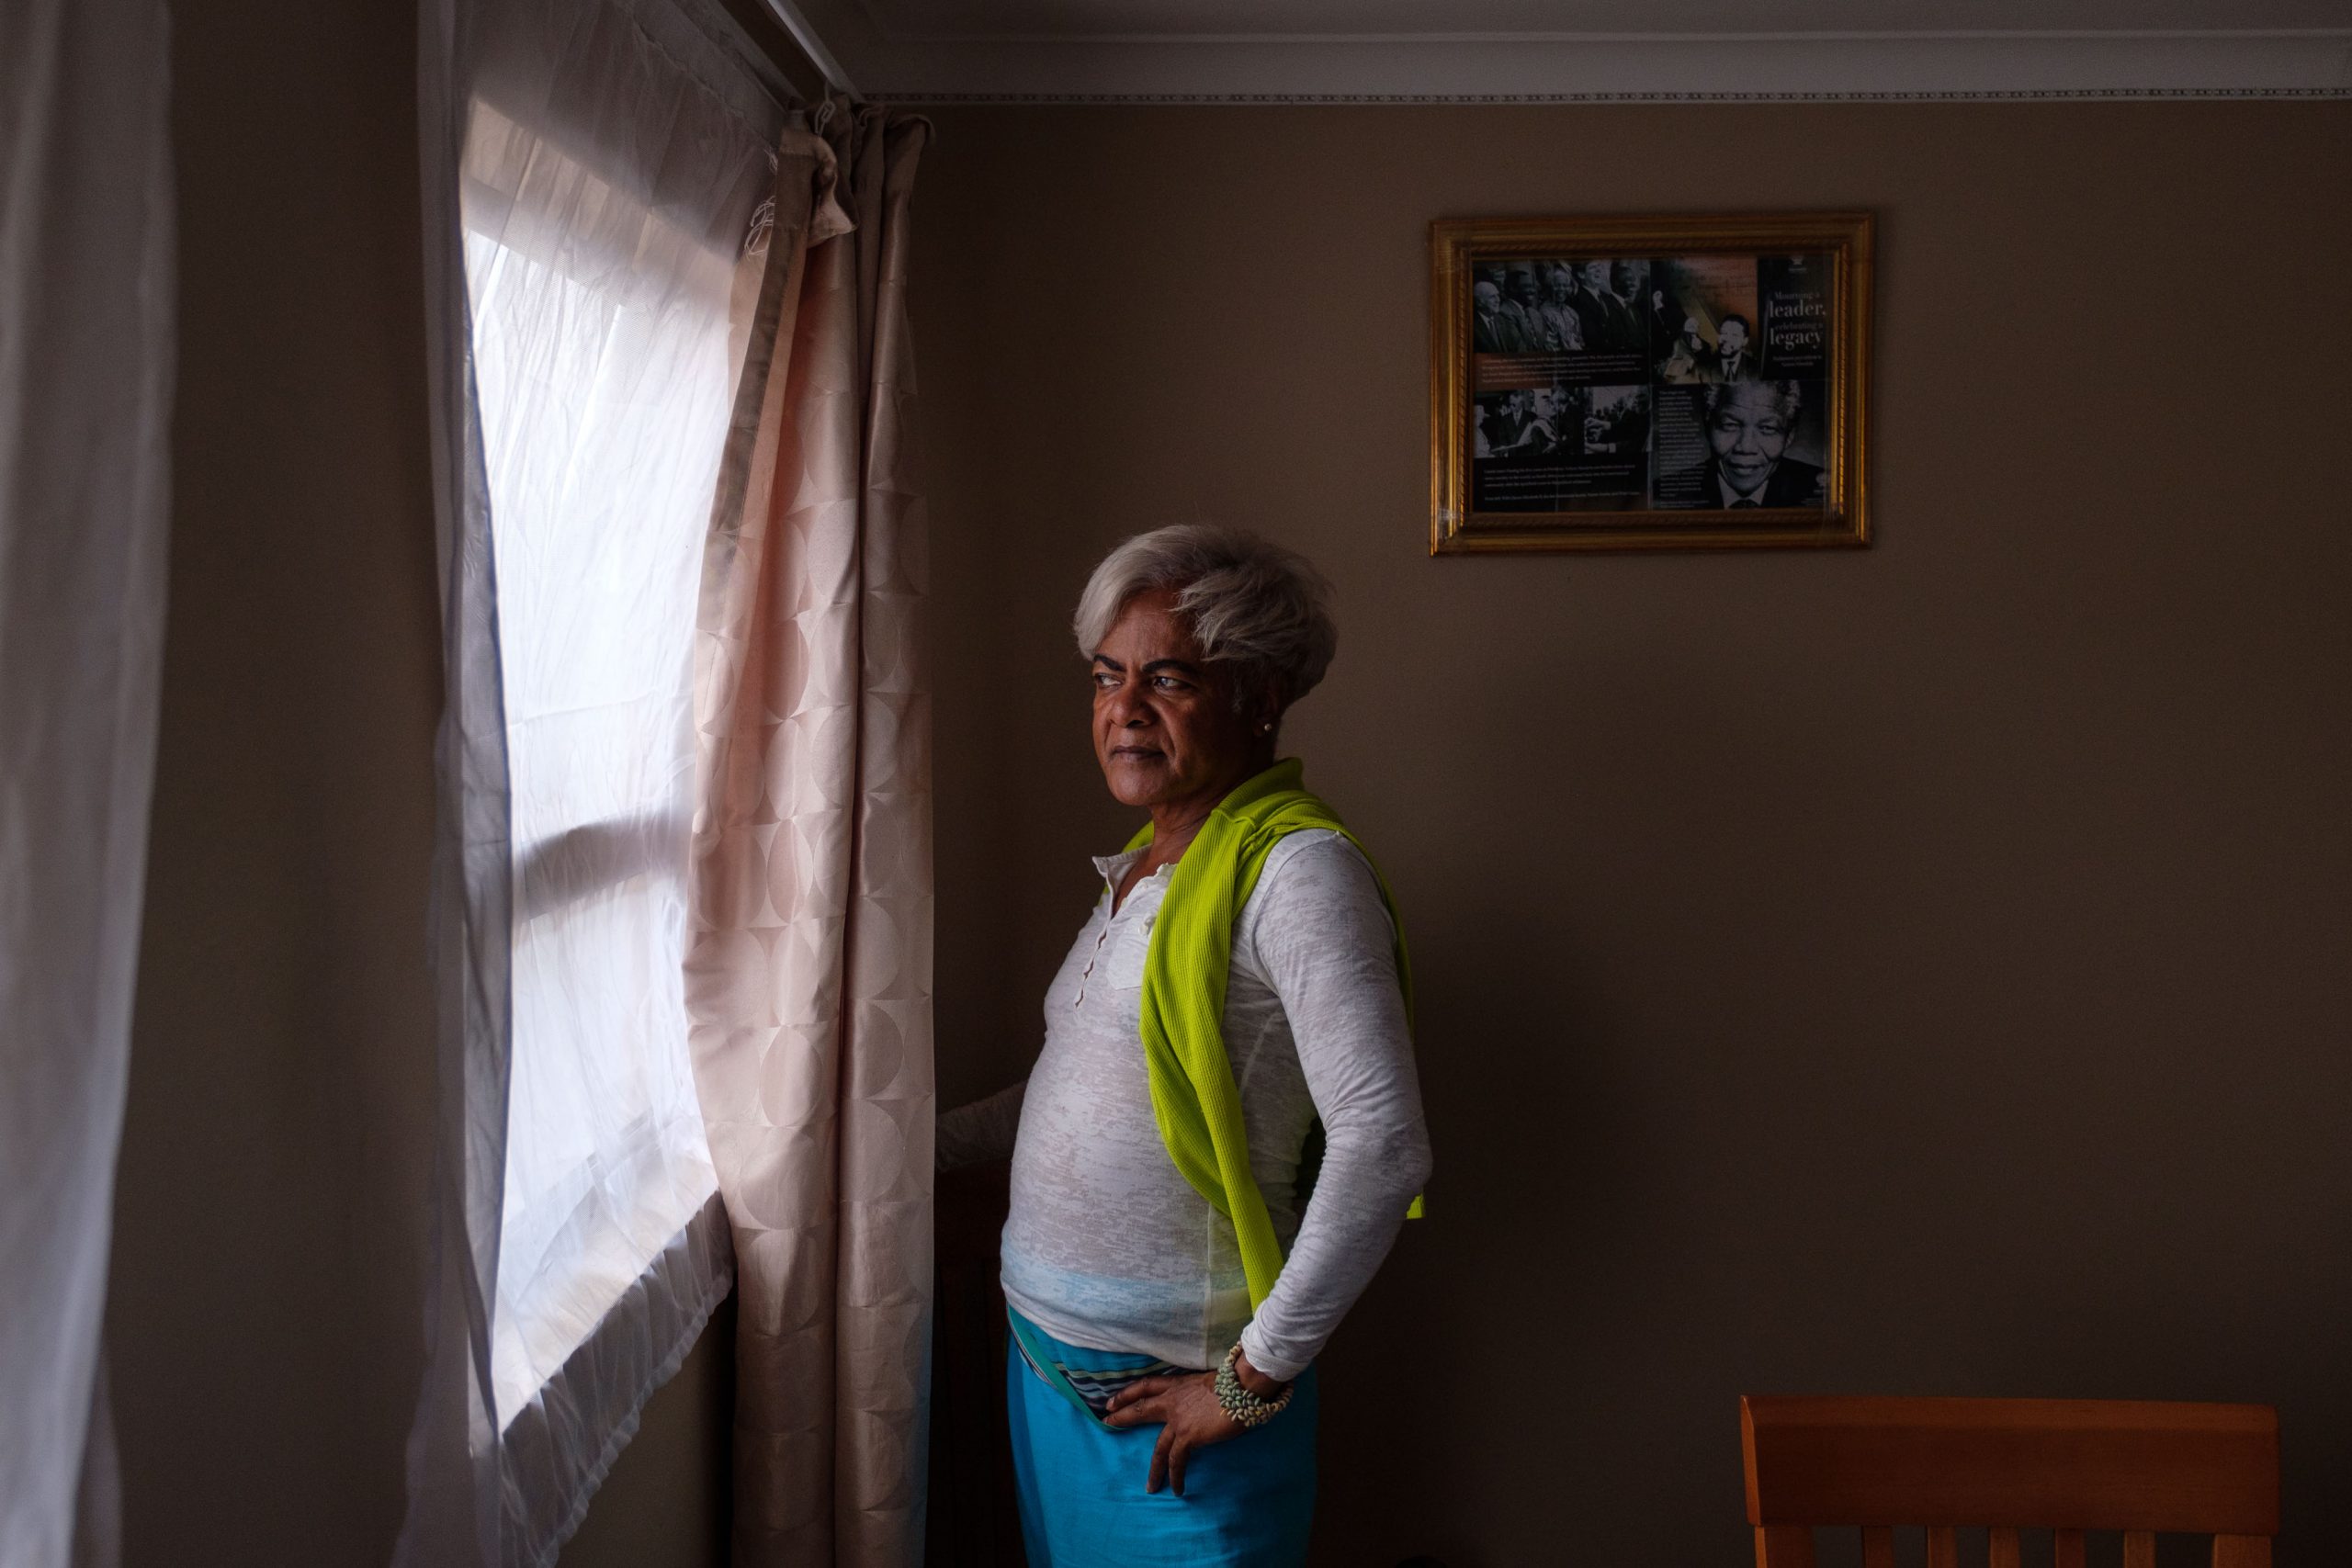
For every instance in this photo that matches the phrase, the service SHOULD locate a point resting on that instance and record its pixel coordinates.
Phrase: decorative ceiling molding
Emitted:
(939, 52)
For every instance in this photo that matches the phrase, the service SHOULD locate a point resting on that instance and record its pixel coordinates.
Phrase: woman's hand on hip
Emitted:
(1189, 1415)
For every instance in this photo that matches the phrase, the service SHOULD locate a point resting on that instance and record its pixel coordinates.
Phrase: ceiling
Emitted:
(1484, 51)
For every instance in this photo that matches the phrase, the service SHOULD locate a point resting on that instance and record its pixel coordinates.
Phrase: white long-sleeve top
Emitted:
(1107, 1246)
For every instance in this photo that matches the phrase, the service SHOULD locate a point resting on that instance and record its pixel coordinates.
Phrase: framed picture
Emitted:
(1648, 383)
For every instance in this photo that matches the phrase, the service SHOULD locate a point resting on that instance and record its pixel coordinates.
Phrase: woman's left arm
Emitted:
(1322, 934)
(1324, 939)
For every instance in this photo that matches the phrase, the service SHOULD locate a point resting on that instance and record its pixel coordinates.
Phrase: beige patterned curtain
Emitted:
(809, 964)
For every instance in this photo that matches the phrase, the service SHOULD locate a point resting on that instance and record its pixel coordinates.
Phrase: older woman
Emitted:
(1223, 1133)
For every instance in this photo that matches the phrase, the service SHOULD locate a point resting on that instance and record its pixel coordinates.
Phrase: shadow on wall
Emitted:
(1528, 1204)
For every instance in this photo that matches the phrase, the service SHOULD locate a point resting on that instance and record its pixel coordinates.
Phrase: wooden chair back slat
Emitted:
(1790, 1546)
(2038, 1464)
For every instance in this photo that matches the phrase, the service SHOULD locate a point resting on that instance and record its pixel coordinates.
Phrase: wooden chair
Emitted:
(2062, 1465)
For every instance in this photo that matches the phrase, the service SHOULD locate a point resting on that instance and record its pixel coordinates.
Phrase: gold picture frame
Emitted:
(1639, 383)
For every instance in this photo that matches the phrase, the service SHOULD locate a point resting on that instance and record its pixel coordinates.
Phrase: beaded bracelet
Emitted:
(1246, 1408)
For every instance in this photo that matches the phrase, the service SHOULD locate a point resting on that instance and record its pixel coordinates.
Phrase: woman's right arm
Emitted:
(983, 1132)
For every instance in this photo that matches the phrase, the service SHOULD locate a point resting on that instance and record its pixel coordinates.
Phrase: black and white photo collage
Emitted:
(1679, 383)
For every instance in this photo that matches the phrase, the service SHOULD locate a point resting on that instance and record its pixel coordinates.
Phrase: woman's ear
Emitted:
(1269, 708)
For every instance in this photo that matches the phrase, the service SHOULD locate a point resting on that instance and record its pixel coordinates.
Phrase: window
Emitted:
(603, 375)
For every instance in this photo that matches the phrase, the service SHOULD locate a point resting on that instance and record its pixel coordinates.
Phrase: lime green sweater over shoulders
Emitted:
(1194, 1095)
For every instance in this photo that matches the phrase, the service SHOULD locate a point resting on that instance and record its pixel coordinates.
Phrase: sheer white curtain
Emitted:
(591, 171)
(85, 364)
(601, 373)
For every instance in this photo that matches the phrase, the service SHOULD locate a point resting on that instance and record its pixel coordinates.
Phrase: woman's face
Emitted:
(1165, 727)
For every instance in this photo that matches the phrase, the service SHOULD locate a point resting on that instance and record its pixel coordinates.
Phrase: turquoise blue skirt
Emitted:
(1247, 1501)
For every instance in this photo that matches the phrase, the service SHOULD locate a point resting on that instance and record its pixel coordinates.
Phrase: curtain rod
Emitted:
(812, 46)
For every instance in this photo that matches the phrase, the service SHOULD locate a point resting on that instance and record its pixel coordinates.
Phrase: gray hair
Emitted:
(1250, 601)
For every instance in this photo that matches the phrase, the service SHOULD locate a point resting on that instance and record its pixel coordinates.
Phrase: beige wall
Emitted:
(264, 1325)
(1920, 969)
(265, 1322)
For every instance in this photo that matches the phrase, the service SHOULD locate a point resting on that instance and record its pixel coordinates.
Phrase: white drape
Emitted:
(590, 168)
(600, 375)
(85, 362)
